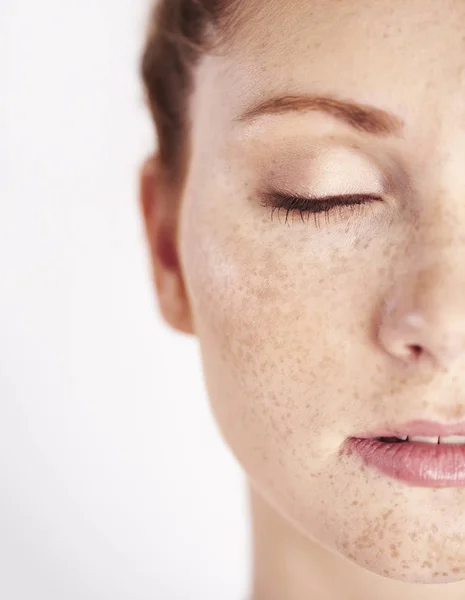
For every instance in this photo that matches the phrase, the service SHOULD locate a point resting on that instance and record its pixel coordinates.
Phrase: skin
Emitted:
(303, 330)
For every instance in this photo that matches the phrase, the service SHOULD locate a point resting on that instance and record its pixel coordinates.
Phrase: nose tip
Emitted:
(416, 339)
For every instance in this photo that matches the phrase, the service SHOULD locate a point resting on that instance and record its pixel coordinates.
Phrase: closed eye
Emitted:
(343, 204)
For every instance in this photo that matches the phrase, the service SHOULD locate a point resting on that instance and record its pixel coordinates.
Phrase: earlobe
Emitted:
(159, 212)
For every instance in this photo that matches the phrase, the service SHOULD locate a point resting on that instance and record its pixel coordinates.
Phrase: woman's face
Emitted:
(302, 319)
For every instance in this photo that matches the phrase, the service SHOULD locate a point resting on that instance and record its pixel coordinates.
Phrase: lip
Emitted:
(414, 463)
(418, 427)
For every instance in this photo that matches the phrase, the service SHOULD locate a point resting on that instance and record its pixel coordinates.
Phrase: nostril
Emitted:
(416, 350)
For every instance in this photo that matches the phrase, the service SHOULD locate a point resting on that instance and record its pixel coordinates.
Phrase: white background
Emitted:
(115, 483)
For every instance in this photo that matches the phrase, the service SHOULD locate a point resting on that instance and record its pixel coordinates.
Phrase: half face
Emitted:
(303, 308)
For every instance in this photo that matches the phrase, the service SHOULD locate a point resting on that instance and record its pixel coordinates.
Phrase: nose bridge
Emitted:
(436, 289)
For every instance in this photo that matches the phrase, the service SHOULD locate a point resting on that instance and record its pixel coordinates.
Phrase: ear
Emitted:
(159, 208)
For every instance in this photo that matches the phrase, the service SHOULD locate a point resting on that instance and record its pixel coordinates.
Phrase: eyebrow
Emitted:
(362, 117)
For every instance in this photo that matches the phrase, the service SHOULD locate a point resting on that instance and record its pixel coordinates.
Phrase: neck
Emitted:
(286, 564)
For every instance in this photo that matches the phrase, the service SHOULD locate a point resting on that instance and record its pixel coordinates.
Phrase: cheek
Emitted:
(270, 324)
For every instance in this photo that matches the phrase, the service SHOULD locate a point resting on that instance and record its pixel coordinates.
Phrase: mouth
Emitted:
(447, 439)
(420, 453)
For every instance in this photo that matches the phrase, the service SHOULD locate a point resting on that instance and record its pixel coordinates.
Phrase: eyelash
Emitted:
(317, 206)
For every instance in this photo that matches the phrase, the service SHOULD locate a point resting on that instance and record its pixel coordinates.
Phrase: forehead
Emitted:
(390, 53)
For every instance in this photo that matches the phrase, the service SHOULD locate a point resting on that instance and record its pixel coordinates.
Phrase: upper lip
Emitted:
(417, 428)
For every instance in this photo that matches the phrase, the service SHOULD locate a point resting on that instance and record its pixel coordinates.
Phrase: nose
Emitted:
(423, 316)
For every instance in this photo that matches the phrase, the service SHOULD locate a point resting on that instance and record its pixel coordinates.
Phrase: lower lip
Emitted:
(415, 463)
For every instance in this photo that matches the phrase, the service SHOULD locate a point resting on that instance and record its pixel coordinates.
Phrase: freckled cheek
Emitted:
(238, 306)
(249, 344)
(263, 327)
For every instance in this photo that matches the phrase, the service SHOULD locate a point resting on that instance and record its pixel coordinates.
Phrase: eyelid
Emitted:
(333, 170)
(353, 204)
(316, 198)
(314, 204)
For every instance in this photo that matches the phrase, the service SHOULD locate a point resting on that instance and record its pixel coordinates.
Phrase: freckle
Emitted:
(436, 574)
(394, 551)
(426, 564)
(444, 574)
(355, 503)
